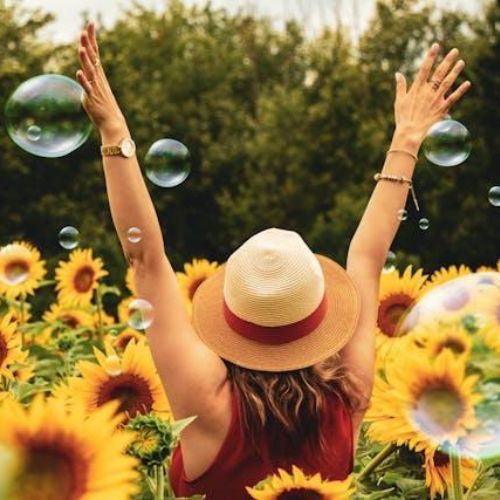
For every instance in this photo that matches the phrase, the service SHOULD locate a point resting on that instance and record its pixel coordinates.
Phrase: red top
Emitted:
(238, 465)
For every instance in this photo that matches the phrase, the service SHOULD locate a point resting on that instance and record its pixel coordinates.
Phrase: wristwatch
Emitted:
(125, 148)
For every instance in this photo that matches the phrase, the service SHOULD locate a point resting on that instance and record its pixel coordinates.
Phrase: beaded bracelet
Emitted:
(401, 180)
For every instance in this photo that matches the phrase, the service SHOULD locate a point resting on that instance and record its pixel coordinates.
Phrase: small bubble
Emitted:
(140, 314)
(134, 235)
(68, 237)
(113, 365)
(15, 273)
(34, 133)
(494, 196)
(423, 224)
(390, 262)
(402, 214)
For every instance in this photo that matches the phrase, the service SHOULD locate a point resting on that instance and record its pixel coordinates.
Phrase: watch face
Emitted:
(128, 148)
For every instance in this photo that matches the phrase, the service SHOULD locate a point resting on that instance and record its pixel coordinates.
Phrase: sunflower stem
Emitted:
(377, 460)
(456, 480)
(160, 482)
(21, 317)
(99, 314)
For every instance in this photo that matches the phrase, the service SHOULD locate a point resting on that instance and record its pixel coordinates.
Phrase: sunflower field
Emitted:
(80, 375)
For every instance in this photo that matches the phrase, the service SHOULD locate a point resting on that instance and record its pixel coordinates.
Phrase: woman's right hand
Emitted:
(425, 103)
(98, 100)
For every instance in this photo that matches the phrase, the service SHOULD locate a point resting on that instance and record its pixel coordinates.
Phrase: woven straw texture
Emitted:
(328, 338)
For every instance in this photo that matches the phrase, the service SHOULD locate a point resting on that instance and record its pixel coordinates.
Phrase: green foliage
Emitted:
(283, 131)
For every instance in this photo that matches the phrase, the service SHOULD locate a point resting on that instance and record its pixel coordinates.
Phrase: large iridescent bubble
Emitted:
(45, 117)
(167, 163)
(461, 316)
(447, 143)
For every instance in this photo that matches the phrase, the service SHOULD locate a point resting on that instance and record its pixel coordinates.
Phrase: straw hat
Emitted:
(275, 305)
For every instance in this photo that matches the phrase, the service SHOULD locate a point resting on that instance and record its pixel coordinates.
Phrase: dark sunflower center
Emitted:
(300, 494)
(124, 340)
(455, 298)
(456, 346)
(438, 409)
(390, 312)
(70, 320)
(16, 271)
(51, 470)
(132, 391)
(3, 349)
(441, 459)
(84, 279)
(194, 286)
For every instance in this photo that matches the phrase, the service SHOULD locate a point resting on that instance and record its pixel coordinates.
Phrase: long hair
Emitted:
(288, 406)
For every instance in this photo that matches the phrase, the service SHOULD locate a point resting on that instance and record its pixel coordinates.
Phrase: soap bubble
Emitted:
(134, 235)
(15, 273)
(167, 163)
(140, 314)
(494, 196)
(423, 224)
(462, 316)
(402, 214)
(45, 117)
(68, 237)
(447, 143)
(390, 262)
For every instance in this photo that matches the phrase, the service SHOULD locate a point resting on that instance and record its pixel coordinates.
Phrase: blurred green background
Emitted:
(284, 129)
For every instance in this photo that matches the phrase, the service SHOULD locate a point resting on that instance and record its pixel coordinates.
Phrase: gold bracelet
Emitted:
(401, 180)
(414, 156)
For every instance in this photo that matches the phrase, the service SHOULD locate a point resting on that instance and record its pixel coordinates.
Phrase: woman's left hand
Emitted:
(98, 101)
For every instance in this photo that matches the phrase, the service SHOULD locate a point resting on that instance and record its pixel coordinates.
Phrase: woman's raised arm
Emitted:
(415, 109)
(186, 366)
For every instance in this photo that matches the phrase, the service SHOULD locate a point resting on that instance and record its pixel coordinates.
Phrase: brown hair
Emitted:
(289, 405)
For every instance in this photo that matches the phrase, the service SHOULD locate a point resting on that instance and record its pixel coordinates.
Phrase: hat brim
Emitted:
(328, 338)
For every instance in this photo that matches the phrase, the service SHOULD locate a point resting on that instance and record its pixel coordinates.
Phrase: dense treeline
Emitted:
(284, 131)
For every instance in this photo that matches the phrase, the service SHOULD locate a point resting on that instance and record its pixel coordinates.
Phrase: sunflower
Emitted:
(21, 269)
(491, 336)
(445, 274)
(131, 379)
(485, 269)
(195, 273)
(121, 340)
(438, 336)
(10, 347)
(438, 472)
(16, 315)
(130, 282)
(297, 485)
(398, 293)
(61, 453)
(78, 278)
(423, 402)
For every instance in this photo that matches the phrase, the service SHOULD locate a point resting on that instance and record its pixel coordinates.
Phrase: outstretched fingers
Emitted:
(445, 65)
(451, 77)
(86, 64)
(84, 82)
(93, 38)
(426, 66)
(453, 98)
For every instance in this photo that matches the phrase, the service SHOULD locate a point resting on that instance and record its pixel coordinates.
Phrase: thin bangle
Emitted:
(401, 180)
(413, 155)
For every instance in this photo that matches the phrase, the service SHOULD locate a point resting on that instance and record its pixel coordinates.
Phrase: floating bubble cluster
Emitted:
(447, 143)
(45, 117)
(462, 316)
(69, 237)
(140, 314)
(167, 163)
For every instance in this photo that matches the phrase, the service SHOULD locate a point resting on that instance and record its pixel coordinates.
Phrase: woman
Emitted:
(277, 362)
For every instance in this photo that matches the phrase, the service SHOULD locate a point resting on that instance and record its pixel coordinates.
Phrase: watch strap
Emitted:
(111, 150)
